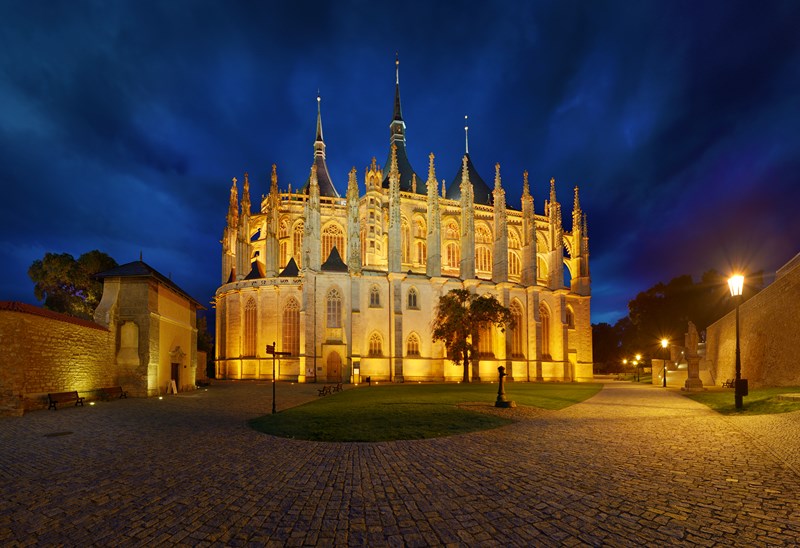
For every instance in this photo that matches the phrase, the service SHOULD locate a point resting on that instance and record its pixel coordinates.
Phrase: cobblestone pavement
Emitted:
(633, 465)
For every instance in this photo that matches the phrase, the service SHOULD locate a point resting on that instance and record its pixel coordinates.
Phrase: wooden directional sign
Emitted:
(270, 349)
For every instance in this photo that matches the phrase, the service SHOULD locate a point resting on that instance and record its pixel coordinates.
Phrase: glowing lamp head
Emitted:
(638, 357)
(664, 343)
(736, 284)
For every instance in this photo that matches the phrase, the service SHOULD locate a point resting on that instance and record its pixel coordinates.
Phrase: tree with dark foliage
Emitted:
(67, 285)
(458, 320)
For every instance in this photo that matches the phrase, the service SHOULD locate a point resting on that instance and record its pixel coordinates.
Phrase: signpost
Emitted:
(271, 350)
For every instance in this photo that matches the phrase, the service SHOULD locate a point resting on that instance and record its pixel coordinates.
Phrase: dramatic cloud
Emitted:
(123, 123)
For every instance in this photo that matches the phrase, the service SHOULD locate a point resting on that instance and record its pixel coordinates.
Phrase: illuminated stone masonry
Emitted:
(349, 285)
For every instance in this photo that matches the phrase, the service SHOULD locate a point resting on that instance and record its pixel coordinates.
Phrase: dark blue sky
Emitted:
(122, 123)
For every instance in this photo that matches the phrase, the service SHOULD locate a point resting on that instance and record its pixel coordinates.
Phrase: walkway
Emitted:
(633, 465)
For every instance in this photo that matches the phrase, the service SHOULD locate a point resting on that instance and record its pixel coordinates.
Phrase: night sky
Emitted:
(122, 123)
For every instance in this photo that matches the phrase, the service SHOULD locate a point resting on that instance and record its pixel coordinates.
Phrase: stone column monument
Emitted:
(693, 382)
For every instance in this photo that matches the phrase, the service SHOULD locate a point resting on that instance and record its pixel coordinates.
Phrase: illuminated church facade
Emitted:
(347, 286)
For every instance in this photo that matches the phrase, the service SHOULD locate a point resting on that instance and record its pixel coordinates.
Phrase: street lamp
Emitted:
(664, 344)
(736, 284)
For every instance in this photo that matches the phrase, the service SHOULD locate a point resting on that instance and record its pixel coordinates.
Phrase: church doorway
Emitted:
(334, 372)
(175, 373)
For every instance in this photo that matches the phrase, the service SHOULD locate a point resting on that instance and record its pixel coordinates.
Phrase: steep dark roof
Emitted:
(406, 171)
(326, 187)
(334, 262)
(140, 269)
(481, 191)
(291, 270)
(256, 271)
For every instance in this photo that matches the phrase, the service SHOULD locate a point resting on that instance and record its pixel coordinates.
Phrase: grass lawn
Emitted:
(760, 401)
(411, 411)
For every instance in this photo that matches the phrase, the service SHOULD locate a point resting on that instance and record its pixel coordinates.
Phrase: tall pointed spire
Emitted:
(398, 112)
(397, 130)
(326, 186)
(319, 142)
(466, 136)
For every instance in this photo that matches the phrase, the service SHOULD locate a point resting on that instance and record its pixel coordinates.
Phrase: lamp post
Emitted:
(736, 284)
(664, 344)
(638, 362)
(271, 350)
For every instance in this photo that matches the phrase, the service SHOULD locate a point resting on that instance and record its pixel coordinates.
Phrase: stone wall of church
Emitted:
(41, 352)
(769, 331)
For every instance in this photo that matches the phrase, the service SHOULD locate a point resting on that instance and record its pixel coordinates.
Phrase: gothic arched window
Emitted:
(517, 332)
(412, 299)
(514, 264)
(297, 244)
(250, 328)
(483, 259)
(334, 309)
(412, 346)
(452, 255)
(485, 340)
(291, 327)
(544, 315)
(332, 236)
(405, 241)
(375, 345)
(374, 297)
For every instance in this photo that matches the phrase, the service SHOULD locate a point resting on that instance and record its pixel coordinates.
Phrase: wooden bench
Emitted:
(728, 383)
(64, 397)
(113, 392)
(329, 389)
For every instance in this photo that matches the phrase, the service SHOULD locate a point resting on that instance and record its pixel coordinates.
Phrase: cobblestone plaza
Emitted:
(633, 465)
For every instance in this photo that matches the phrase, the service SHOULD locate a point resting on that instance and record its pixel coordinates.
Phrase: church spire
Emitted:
(233, 205)
(319, 142)
(398, 112)
(466, 136)
(326, 186)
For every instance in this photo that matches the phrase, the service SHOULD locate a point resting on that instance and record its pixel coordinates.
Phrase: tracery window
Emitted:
(544, 316)
(332, 236)
(412, 346)
(452, 255)
(514, 264)
(250, 321)
(451, 232)
(485, 340)
(291, 327)
(483, 259)
(513, 239)
(482, 235)
(405, 241)
(334, 309)
(283, 231)
(517, 349)
(374, 297)
(222, 339)
(283, 253)
(422, 253)
(419, 228)
(375, 345)
(412, 298)
(297, 244)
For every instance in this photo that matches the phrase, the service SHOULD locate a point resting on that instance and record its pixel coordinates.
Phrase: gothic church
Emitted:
(348, 286)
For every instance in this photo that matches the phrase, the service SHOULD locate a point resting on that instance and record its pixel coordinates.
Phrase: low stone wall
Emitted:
(769, 335)
(42, 351)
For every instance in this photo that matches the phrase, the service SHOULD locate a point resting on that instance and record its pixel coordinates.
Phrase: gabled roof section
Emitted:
(326, 187)
(482, 192)
(334, 262)
(291, 270)
(140, 269)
